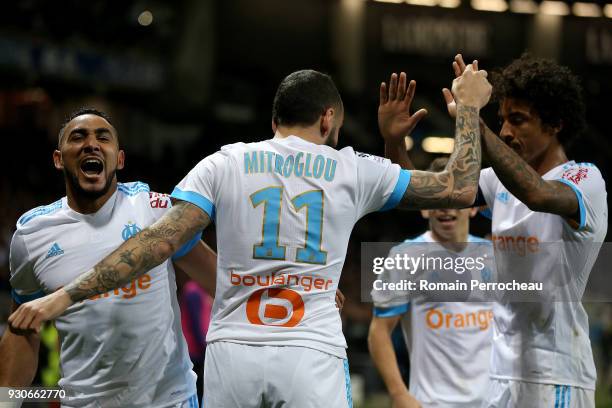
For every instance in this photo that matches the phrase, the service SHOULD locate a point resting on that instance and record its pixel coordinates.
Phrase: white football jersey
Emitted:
(284, 210)
(548, 341)
(449, 343)
(123, 348)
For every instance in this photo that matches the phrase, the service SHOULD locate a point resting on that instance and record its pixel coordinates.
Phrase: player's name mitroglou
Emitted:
(300, 165)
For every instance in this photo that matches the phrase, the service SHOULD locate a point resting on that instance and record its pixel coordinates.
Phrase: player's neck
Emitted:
(311, 134)
(87, 205)
(551, 158)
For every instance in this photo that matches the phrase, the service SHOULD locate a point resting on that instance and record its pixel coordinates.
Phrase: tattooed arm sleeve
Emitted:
(457, 185)
(524, 182)
(139, 254)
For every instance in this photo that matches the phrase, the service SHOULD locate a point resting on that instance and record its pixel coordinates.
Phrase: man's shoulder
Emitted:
(36, 217)
(133, 188)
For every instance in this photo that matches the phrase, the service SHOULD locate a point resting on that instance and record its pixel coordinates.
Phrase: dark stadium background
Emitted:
(182, 78)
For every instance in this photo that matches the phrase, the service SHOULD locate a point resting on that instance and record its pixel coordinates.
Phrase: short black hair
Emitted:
(553, 91)
(302, 97)
(83, 110)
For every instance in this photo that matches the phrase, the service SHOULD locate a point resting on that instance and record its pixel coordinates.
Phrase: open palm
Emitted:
(394, 118)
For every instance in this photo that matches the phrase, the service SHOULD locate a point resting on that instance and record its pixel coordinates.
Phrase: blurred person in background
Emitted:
(449, 363)
(120, 348)
(260, 350)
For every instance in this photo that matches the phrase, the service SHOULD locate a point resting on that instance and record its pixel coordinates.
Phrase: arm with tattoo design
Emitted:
(457, 185)
(141, 253)
(524, 182)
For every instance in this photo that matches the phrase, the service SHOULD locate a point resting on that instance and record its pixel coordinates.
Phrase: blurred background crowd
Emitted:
(182, 78)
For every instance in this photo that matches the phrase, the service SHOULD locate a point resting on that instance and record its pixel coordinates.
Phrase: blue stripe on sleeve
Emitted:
(391, 311)
(187, 246)
(398, 191)
(20, 299)
(194, 198)
(580, 202)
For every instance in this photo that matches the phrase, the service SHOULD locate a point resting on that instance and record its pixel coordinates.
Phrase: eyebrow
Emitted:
(97, 131)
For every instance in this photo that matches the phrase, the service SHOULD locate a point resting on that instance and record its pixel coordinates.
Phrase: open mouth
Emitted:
(92, 166)
(445, 219)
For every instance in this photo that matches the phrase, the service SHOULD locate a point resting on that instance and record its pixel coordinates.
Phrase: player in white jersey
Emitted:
(124, 347)
(449, 343)
(284, 209)
(542, 202)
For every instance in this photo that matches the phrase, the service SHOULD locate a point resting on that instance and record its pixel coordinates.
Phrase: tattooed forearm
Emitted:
(456, 186)
(523, 181)
(139, 254)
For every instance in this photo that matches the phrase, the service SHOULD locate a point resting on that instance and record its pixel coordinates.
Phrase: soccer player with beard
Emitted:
(284, 209)
(120, 348)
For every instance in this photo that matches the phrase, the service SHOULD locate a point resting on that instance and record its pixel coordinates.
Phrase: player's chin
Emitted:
(93, 187)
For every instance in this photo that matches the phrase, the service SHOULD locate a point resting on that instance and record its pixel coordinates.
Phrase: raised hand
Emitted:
(458, 67)
(394, 118)
(471, 88)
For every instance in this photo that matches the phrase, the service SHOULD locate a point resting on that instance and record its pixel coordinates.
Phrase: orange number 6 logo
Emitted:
(275, 311)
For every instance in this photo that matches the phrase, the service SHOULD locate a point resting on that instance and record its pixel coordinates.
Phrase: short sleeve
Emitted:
(380, 184)
(200, 186)
(25, 286)
(586, 181)
(390, 302)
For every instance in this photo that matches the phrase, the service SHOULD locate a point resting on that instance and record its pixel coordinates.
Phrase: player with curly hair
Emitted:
(541, 354)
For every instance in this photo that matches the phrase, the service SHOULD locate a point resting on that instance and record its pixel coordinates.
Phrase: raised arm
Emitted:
(457, 185)
(516, 175)
(147, 249)
(524, 182)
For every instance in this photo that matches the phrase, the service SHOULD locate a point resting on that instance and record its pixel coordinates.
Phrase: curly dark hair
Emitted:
(84, 110)
(553, 90)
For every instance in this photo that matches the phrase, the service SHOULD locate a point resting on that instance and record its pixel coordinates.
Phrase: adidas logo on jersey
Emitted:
(55, 250)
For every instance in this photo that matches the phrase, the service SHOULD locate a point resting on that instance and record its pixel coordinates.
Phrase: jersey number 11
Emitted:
(269, 248)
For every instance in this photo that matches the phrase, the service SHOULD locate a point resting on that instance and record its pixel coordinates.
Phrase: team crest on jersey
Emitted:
(576, 174)
(55, 250)
(129, 230)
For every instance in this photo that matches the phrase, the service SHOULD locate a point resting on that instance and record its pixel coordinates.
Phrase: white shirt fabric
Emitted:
(548, 341)
(449, 343)
(123, 348)
(284, 210)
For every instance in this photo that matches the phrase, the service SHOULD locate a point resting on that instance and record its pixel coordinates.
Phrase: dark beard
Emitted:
(73, 180)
